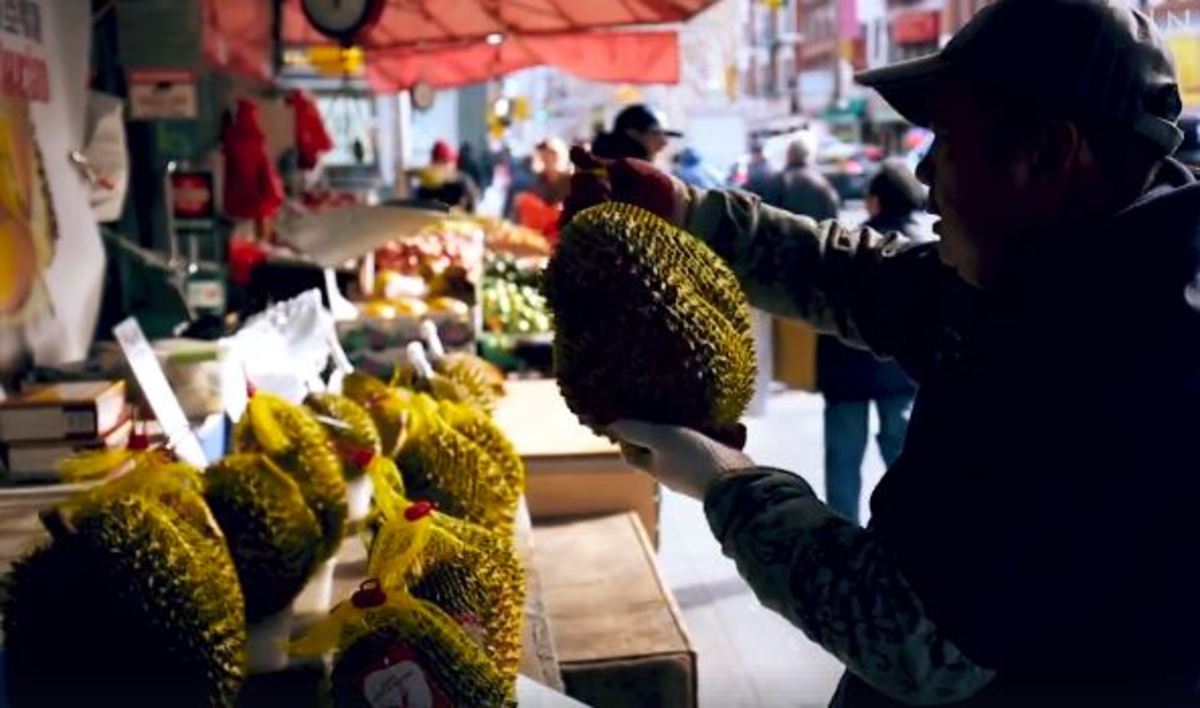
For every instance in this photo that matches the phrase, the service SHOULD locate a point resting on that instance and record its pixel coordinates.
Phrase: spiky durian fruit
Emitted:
(649, 323)
(381, 401)
(436, 461)
(480, 380)
(480, 429)
(131, 604)
(274, 536)
(417, 373)
(440, 464)
(471, 573)
(298, 444)
(351, 428)
(390, 644)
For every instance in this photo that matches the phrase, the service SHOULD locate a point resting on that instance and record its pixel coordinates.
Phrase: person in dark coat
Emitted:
(638, 132)
(799, 187)
(851, 379)
(1034, 544)
(442, 181)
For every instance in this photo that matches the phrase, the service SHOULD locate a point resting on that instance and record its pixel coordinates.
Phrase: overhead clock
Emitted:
(342, 20)
(422, 95)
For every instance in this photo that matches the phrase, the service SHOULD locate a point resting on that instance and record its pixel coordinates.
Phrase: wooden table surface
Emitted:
(535, 417)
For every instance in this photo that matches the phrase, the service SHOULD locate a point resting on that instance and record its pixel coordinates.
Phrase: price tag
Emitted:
(158, 393)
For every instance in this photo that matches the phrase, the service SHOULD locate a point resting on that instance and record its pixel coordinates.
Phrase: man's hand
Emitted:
(636, 182)
(680, 458)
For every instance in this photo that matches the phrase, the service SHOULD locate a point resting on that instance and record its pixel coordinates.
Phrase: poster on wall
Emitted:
(27, 224)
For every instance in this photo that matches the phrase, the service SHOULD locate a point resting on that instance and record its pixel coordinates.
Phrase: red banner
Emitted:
(917, 27)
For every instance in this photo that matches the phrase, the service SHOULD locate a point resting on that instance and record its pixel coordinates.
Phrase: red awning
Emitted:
(408, 22)
(237, 37)
(629, 57)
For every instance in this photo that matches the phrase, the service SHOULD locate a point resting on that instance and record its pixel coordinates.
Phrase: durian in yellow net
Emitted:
(292, 438)
(471, 573)
(391, 648)
(437, 462)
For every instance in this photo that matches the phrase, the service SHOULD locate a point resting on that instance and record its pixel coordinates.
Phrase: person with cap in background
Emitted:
(638, 132)
(851, 379)
(1033, 544)
(442, 180)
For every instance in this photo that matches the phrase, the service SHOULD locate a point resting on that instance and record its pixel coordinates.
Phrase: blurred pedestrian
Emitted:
(552, 168)
(692, 169)
(851, 379)
(638, 132)
(473, 166)
(799, 187)
(758, 168)
(442, 181)
(540, 206)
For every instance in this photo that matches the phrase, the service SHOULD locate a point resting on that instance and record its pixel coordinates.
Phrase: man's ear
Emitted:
(1058, 145)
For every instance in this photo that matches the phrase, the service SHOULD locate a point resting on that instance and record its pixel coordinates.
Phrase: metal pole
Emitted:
(837, 51)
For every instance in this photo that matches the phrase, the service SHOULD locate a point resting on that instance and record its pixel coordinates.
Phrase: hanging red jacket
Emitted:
(312, 140)
(253, 189)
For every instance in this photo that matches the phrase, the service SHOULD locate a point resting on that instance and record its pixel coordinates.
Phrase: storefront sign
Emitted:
(162, 94)
(192, 196)
(23, 69)
(916, 27)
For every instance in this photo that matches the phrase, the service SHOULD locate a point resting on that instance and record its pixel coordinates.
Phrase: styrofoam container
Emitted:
(358, 498)
(267, 642)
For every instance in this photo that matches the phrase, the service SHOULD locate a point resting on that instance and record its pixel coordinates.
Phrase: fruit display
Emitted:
(293, 439)
(481, 381)
(452, 244)
(503, 236)
(649, 324)
(138, 584)
(351, 428)
(471, 573)
(513, 303)
(439, 463)
(273, 534)
(167, 584)
(391, 648)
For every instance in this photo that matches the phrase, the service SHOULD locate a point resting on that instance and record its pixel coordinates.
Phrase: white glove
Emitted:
(680, 458)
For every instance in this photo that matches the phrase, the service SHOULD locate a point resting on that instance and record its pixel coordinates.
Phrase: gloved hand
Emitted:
(683, 459)
(636, 182)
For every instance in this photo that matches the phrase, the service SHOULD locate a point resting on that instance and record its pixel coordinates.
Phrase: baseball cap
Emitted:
(1100, 59)
(642, 118)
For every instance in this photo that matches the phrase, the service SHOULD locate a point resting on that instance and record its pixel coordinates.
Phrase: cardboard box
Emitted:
(570, 472)
(795, 345)
(618, 632)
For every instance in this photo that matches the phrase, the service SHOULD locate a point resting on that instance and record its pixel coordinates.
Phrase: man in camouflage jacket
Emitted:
(1055, 334)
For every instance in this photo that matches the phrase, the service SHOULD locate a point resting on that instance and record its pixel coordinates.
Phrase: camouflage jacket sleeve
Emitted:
(873, 290)
(839, 584)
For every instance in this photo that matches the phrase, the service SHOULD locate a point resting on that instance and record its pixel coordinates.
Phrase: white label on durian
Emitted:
(401, 685)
